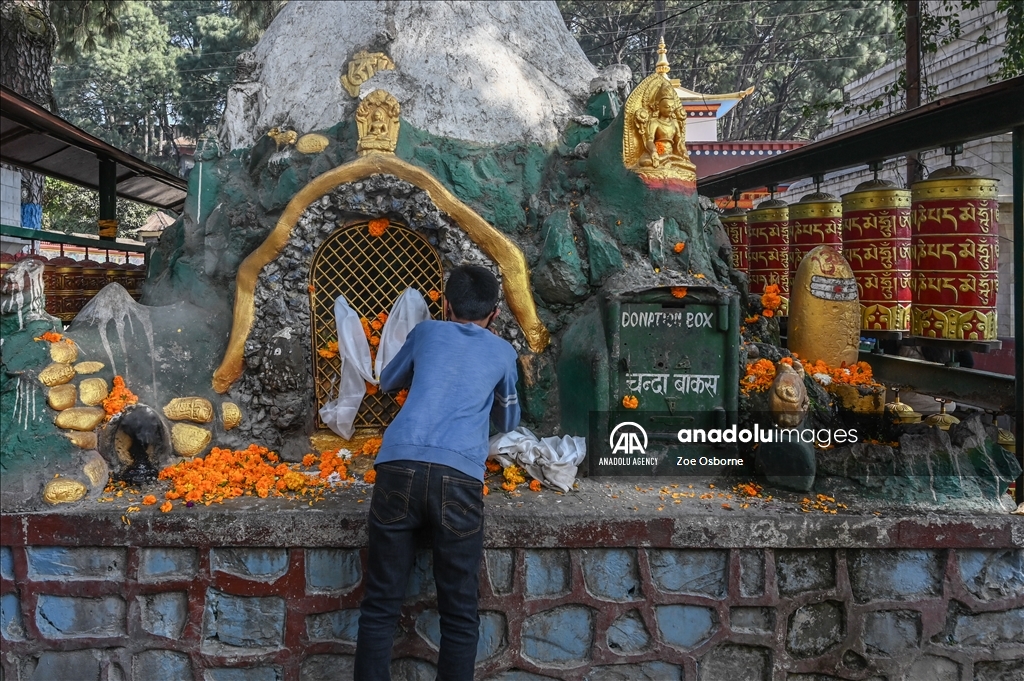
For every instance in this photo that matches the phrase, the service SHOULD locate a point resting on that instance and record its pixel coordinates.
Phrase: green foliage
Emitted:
(255, 15)
(69, 208)
(79, 23)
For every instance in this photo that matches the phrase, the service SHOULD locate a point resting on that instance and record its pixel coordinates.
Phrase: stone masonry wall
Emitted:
(244, 613)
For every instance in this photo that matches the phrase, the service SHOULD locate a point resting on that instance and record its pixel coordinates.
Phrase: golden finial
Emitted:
(662, 65)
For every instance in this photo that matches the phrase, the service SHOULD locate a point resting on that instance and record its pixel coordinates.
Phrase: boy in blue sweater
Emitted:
(430, 471)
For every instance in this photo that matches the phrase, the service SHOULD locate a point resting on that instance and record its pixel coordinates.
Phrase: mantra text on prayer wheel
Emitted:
(735, 222)
(815, 220)
(955, 255)
(768, 230)
(876, 243)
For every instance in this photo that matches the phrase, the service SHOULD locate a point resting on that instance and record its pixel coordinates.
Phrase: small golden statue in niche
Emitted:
(654, 131)
(361, 68)
(377, 122)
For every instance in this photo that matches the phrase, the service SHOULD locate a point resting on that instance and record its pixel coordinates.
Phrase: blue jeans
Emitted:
(409, 497)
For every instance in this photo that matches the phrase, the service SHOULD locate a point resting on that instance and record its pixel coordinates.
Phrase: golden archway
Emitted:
(497, 246)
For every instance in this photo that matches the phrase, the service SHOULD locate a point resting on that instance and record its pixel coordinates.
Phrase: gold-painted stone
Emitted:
(80, 418)
(96, 470)
(358, 465)
(93, 391)
(230, 415)
(1007, 441)
(311, 144)
(282, 138)
(788, 399)
(61, 397)
(86, 368)
(189, 440)
(56, 374)
(654, 130)
(63, 491)
(824, 310)
(377, 123)
(123, 447)
(361, 68)
(64, 351)
(82, 440)
(860, 399)
(195, 409)
(327, 441)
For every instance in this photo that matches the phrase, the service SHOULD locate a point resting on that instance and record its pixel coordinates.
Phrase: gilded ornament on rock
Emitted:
(93, 391)
(64, 351)
(80, 418)
(61, 397)
(311, 144)
(282, 138)
(86, 368)
(196, 409)
(63, 491)
(824, 310)
(361, 68)
(123, 447)
(56, 374)
(327, 441)
(788, 399)
(377, 122)
(230, 415)
(189, 440)
(96, 470)
(860, 399)
(82, 440)
(654, 130)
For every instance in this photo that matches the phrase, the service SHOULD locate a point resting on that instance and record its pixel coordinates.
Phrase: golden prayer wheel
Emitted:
(136, 278)
(768, 234)
(94, 278)
(62, 281)
(735, 222)
(955, 255)
(815, 220)
(876, 243)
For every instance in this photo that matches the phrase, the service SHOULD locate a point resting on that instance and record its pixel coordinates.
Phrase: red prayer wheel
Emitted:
(955, 255)
(94, 278)
(815, 220)
(876, 243)
(768, 234)
(735, 222)
(136, 278)
(62, 280)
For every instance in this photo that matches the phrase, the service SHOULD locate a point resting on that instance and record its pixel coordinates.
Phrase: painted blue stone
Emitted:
(628, 634)
(332, 569)
(492, 632)
(71, 617)
(547, 572)
(499, 569)
(62, 563)
(244, 622)
(421, 580)
(80, 665)
(244, 674)
(158, 564)
(265, 565)
(694, 572)
(165, 665)
(992, 574)
(32, 215)
(562, 635)
(164, 614)
(891, 632)
(6, 563)
(340, 625)
(12, 627)
(685, 625)
(641, 671)
(518, 675)
(896, 575)
(611, 573)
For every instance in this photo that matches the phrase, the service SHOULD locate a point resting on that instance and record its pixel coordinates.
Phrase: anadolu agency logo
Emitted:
(628, 438)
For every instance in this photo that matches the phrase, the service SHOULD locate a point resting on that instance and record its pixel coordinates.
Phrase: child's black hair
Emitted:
(472, 291)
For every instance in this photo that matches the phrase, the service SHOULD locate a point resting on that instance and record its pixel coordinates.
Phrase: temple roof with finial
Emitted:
(662, 65)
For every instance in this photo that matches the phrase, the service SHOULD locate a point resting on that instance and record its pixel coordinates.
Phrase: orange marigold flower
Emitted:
(751, 319)
(508, 486)
(768, 313)
(492, 466)
(311, 288)
(119, 398)
(329, 351)
(374, 340)
(371, 389)
(661, 146)
(535, 485)
(367, 331)
(678, 291)
(758, 377)
(487, 490)
(376, 325)
(678, 248)
(370, 476)
(382, 317)
(378, 226)
(371, 446)
(402, 396)
(434, 294)
(50, 336)
(308, 460)
(786, 360)
(630, 402)
(148, 500)
(166, 507)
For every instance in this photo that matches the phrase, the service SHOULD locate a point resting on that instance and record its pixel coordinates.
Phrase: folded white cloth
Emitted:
(552, 460)
(354, 351)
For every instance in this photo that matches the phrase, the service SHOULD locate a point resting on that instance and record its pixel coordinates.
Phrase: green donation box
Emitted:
(640, 368)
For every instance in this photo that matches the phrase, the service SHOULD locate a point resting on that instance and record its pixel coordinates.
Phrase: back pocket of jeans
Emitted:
(391, 492)
(462, 508)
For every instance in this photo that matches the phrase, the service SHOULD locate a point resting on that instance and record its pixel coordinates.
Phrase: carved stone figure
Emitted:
(361, 68)
(377, 122)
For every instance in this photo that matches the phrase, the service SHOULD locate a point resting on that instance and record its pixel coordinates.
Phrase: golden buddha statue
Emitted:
(377, 123)
(654, 132)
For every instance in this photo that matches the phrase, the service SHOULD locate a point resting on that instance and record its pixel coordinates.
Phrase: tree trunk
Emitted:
(27, 39)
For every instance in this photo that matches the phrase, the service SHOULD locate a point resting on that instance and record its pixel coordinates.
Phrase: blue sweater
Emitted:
(458, 375)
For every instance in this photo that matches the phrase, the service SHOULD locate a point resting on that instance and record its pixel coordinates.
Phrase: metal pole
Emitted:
(1018, 299)
(912, 31)
(108, 199)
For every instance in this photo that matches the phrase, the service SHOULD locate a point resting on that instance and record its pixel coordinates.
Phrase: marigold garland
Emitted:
(758, 377)
(329, 351)
(770, 299)
(51, 336)
(678, 248)
(119, 398)
(678, 291)
(630, 402)
(434, 295)
(370, 476)
(857, 374)
(378, 227)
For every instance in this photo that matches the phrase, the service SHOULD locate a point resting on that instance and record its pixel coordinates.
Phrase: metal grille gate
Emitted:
(370, 272)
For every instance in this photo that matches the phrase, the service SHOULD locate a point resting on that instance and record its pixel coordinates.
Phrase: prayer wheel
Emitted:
(768, 232)
(62, 282)
(735, 222)
(815, 220)
(136, 278)
(955, 244)
(876, 243)
(94, 278)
